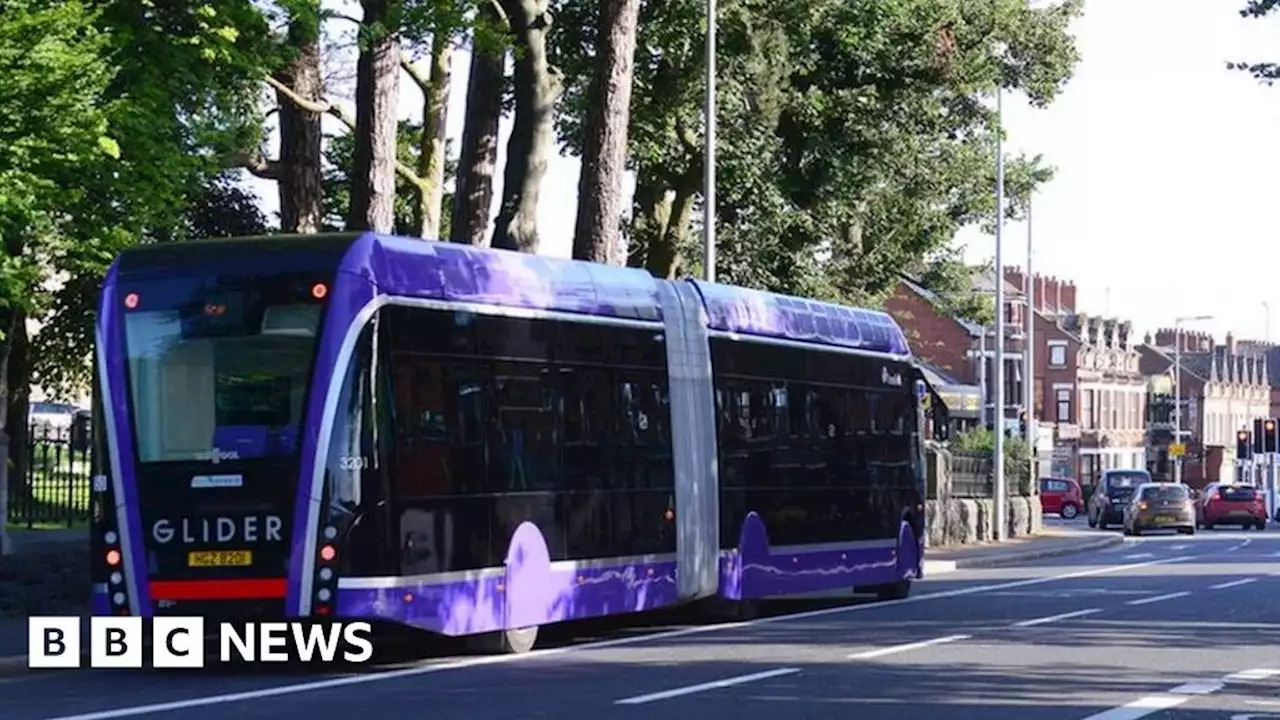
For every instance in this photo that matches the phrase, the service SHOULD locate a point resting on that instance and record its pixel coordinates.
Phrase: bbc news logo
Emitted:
(179, 642)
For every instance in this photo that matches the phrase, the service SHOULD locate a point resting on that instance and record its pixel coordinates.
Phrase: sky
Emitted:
(1165, 164)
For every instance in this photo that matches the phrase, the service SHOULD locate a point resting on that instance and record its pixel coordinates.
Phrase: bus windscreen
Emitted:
(219, 365)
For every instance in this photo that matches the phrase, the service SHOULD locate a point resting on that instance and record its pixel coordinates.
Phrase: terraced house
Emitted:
(1223, 388)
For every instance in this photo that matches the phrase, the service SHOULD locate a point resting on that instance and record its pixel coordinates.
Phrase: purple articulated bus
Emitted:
(478, 443)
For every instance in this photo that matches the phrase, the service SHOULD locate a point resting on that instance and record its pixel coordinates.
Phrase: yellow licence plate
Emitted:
(1164, 518)
(220, 558)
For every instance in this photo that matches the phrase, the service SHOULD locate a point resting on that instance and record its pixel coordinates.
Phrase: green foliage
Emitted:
(981, 441)
(1266, 72)
(854, 136)
(52, 122)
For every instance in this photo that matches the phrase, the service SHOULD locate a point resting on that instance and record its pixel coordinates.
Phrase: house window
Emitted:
(1058, 355)
(1064, 406)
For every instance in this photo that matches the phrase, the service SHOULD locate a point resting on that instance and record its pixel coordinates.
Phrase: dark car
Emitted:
(1114, 491)
(1223, 504)
(1160, 506)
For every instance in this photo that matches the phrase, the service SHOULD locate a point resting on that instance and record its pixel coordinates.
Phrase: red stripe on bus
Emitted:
(249, 589)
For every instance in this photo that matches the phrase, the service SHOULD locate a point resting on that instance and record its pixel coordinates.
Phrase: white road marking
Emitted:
(327, 684)
(938, 567)
(1143, 707)
(1177, 547)
(1244, 544)
(1250, 675)
(703, 687)
(1138, 556)
(1203, 687)
(1159, 598)
(1140, 708)
(906, 647)
(1055, 618)
(1233, 583)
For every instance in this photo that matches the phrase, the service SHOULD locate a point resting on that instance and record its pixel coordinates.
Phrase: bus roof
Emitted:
(765, 314)
(462, 273)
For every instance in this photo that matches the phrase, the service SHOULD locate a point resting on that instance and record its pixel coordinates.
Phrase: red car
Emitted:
(1242, 505)
(1061, 496)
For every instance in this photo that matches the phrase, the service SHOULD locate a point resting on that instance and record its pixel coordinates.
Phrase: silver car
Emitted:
(1160, 506)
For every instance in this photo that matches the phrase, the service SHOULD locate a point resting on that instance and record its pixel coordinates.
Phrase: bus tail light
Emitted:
(326, 578)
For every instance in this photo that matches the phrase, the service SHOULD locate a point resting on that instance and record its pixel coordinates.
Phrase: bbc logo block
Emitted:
(180, 642)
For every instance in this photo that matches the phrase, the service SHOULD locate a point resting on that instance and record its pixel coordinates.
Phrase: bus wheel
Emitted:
(516, 641)
(722, 610)
(894, 591)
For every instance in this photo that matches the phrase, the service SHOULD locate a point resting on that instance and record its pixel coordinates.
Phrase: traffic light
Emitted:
(1269, 435)
(1244, 449)
(1258, 433)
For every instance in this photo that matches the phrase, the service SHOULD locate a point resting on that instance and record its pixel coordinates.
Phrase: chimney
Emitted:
(1015, 277)
(1231, 344)
(1069, 296)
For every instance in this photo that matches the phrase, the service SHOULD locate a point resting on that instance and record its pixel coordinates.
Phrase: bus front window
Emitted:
(219, 367)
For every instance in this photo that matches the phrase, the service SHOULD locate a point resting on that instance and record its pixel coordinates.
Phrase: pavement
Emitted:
(1167, 627)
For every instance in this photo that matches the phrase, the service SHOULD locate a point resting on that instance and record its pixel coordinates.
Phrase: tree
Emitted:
(56, 78)
(477, 164)
(1266, 72)
(297, 169)
(373, 190)
(532, 141)
(854, 140)
(597, 235)
(337, 181)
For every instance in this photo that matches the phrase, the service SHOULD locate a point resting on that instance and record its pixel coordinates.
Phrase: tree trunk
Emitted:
(532, 134)
(435, 116)
(300, 133)
(478, 157)
(373, 172)
(18, 389)
(597, 236)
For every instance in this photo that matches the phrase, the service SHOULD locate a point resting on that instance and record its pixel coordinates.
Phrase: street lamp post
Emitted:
(998, 480)
(709, 154)
(1177, 385)
(1028, 360)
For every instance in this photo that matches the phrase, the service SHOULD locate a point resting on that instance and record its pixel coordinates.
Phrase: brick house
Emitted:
(962, 349)
(1090, 392)
(1223, 388)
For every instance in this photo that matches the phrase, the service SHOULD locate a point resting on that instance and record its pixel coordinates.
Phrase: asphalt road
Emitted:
(1161, 627)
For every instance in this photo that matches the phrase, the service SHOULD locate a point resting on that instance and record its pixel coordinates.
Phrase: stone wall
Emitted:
(45, 576)
(952, 521)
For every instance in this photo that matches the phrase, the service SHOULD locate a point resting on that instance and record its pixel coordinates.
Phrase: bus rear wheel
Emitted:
(900, 589)
(515, 641)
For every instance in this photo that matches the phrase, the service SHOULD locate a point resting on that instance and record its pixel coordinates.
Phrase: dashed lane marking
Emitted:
(1159, 598)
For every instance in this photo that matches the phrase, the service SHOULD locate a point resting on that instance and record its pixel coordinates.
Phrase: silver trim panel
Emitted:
(692, 402)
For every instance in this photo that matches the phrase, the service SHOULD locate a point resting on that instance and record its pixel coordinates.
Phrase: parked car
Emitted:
(1115, 490)
(1223, 504)
(1160, 506)
(1061, 496)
